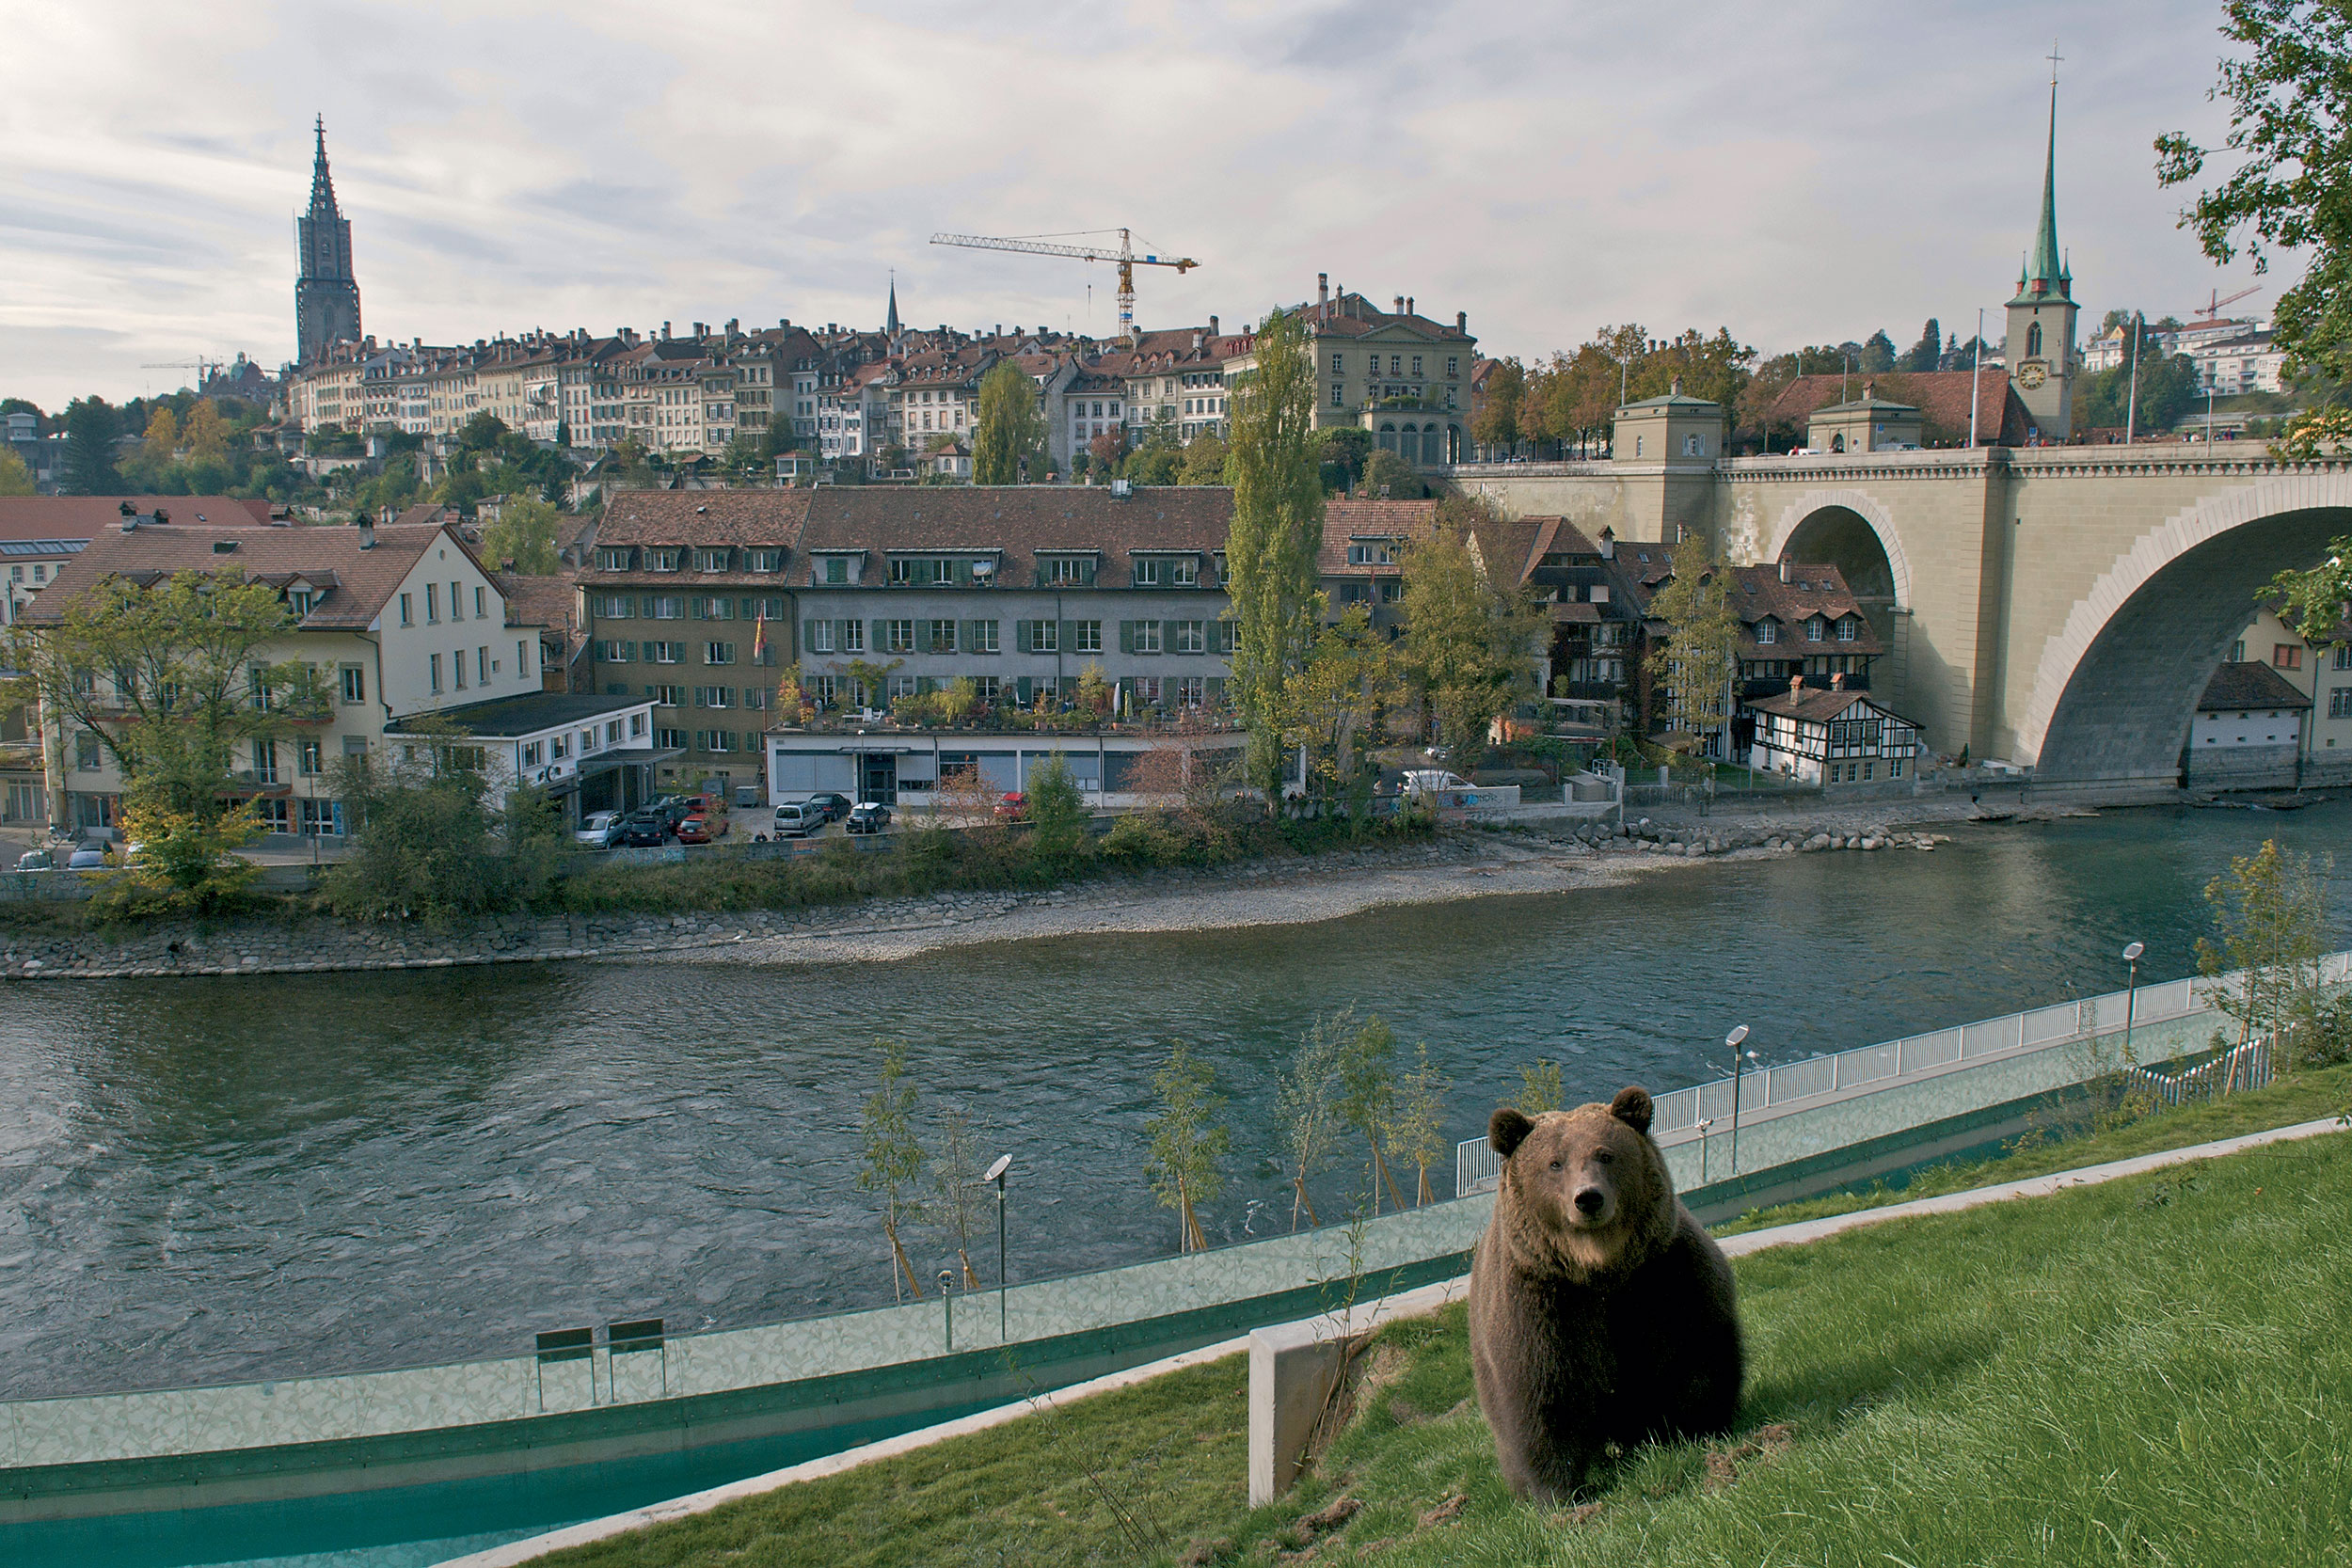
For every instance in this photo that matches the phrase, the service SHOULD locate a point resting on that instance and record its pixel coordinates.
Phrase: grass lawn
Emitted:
(2154, 1371)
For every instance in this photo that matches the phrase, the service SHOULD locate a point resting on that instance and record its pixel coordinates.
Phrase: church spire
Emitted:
(322, 183)
(890, 323)
(2045, 271)
(326, 296)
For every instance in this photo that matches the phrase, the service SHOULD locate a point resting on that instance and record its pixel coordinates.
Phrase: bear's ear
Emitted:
(1507, 1129)
(1632, 1106)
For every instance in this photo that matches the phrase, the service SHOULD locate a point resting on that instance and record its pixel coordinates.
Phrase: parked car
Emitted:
(36, 860)
(1423, 783)
(646, 829)
(599, 830)
(702, 805)
(1013, 807)
(836, 805)
(699, 828)
(798, 819)
(88, 857)
(867, 816)
(675, 809)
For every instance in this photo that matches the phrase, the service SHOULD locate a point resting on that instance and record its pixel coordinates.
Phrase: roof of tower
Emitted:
(890, 323)
(322, 183)
(2046, 273)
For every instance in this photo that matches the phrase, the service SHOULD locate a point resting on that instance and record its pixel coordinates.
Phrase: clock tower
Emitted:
(2040, 354)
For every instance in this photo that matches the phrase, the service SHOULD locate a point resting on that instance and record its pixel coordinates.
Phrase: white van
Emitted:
(798, 818)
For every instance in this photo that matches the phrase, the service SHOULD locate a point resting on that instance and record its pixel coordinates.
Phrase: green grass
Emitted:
(2154, 1371)
(2300, 1097)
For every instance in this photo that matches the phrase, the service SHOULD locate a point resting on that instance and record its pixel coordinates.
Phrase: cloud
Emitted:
(1798, 176)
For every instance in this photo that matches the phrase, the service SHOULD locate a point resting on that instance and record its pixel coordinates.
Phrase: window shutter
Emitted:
(1126, 637)
(1168, 637)
(877, 639)
(628, 653)
(1069, 637)
(964, 640)
(841, 634)
(1022, 638)
(1021, 687)
(808, 634)
(1214, 688)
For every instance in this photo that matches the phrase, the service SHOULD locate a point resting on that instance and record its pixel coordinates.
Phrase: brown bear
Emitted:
(1600, 1310)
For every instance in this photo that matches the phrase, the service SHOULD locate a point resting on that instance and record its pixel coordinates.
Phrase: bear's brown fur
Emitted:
(1600, 1310)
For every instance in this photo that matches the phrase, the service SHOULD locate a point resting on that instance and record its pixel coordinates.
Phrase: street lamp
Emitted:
(996, 1174)
(1740, 1061)
(2131, 995)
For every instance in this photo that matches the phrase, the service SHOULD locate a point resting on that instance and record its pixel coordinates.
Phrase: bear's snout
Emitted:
(1590, 1200)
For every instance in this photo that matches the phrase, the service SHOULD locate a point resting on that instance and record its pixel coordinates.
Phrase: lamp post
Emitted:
(2131, 996)
(2131, 407)
(1739, 1060)
(996, 1174)
(947, 1302)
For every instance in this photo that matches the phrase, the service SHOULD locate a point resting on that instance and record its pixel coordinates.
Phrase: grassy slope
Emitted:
(2158, 1371)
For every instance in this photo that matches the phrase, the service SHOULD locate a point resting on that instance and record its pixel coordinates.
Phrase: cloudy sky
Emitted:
(1799, 173)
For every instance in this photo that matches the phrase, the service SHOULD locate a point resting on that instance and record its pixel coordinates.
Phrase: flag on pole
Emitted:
(759, 638)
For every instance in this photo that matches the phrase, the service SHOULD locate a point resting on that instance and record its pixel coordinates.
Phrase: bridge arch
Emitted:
(2117, 684)
(1835, 527)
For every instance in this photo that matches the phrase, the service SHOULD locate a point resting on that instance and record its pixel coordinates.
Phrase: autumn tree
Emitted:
(15, 478)
(1416, 1122)
(205, 434)
(1496, 425)
(1306, 1101)
(1693, 664)
(1008, 437)
(1539, 1087)
(1470, 644)
(1367, 1100)
(522, 539)
(2269, 912)
(1276, 531)
(162, 431)
(892, 1162)
(1335, 704)
(1189, 1144)
(1109, 447)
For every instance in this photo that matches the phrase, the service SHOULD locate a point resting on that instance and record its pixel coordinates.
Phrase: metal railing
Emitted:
(1868, 1068)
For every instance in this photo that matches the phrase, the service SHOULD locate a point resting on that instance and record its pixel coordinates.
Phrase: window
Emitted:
(613, 607)
(1045, 636)
(1695, 446)
(457, 667)
(309, 758)
(1768, 630)
(1184, 572)
(86, 752)
(1338, 364)
(836, 570)
(898, 637)
(763, 560)
(985, 638)
(663, 560)
(1846, 628)
(2033, 341)
(1814, 629)
(559, 747)
(1453, 367)
(1146, 690)
(433, 602)
(853, 637)
(534, 753)
(820, 687)
(714, 610)
(714, 696)
(266, 762)
(1147, 574)
(667, 696)
(943, 637)
(756, 697)
(1068, 569)
(407, 612)
(1088, 637)
(522, 658)
(1228, 637)
(667, 609)
(355, 684)
(1338, 399)
(1191, 691)
(636, 726)
(1147, 637)
(670, 740)
(901, 572)
(2287, 656)
(1416, 364)
(1379, 552)
(710, 560)
(820, 637)
(610, 651)
(299, 600)
(479, 612)
(613, 559)
(436, 661)
(718, 653)
(2340, 703)
(1192, 637)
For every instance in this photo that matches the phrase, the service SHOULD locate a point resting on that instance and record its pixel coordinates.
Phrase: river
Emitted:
(204, 1180)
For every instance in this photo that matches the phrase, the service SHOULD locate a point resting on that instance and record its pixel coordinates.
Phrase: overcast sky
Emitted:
(1800, 172)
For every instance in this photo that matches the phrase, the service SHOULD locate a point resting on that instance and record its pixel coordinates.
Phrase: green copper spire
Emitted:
(2045, 276)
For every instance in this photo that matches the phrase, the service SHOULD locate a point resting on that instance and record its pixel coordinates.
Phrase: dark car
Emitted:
(867, 816)
(673, 809)
(699, 828)
(646, 829)
(837, 806)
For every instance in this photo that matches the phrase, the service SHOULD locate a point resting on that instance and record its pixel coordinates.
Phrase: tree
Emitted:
(1158, 461)
(1056, 812)
(15, 478)
(1345, 449)
(2269, 913)
(1187, 1143)
(1878, 354)
(1305, 1096)
(205, 434)
(163, 432)
(891, 1158)
(1539, 1087)
(2290, 96)
(523, 537)
(168, 677)
(1927, 352)
(1692, 664)
(1368, 1091)
(1271, 544)
(90, 449)
(1388, 477)
(1470, 643)
(1416, 1122)
(1204, 462)
(1496, 425)
(1108, 449)
(1332, 704)
(430, 838)
(959, 1204)
(1010, 430)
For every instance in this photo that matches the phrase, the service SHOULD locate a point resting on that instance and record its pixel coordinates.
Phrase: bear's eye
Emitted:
(1603, 1158)
(1556, 1165)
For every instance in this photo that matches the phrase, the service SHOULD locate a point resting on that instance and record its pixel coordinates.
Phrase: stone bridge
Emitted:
(2058, 607)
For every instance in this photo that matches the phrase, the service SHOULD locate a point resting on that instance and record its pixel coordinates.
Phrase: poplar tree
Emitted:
(2269, 913)
(1010, 430)
(1305, 1097)
(1188, 1143)
(1692, 666)
(1416, 1124)
(891, 1158)
(1273, 459)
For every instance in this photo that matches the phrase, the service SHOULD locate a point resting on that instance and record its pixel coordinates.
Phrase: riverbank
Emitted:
(1509, 858)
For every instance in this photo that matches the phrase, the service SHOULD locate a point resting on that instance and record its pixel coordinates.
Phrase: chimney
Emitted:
(1796, 686)
(665, 332)
(1609, 544)
(1787, 570)
(1400, 305)
(1837, 681)
(1461, 323)
(1408, 305)
(1212, 326)
(367, 531)
(1323, 288)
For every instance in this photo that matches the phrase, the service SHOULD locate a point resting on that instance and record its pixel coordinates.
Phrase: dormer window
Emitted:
(1372, 552)
(1768, 630)
(763, 560)
(299, 600)
(1147, 574)
(1815, 628)
(709, 559)
(663, 560)
(1846, 628)
(1183, 572)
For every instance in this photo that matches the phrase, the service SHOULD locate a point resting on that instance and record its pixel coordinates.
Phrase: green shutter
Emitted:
(841, 634)
(1069, 637)
(1021, 692)
(1214, 689)
(809, 634)
(1168, 637)
(1021, 637)
(1126, 637)
(628, 653)
(877, 639)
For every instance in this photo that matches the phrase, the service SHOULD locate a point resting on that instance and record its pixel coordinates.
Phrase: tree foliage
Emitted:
(1416, 1122)
(90, 428)
(2269, 913)
(1057, 811)
(1539, 1087)
(1496, 425)
(1471, 642)
(15, 478)
(1306, 1104)
(959, 1203)
(1189, 1144)
(1334, 705)
(2290, 97)
(1008, 437)
(1692, 664)
(892, 1161)
(523, 537)
(1276, 529)
(430, 838)
(1367, 1100)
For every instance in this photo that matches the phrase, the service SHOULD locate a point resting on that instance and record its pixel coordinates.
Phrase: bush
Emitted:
(432, 847)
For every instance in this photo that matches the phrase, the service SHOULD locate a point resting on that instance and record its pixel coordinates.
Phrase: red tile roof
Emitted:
(83, 517)
(1756, 592)
(1941, 396)
(769, 518)
(1022, 522)
(2249, 684)
(357, 580)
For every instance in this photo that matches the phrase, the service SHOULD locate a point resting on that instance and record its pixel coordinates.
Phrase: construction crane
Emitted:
(203, 368)
(2215, 300)
(1125, 256)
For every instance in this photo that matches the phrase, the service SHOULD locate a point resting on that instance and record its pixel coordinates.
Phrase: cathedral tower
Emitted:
(326, 296)
(2042, 363)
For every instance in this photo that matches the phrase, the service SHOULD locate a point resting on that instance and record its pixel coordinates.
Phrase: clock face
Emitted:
(2032, 373)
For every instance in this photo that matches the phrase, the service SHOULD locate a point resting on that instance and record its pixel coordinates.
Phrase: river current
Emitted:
(204, 1180)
